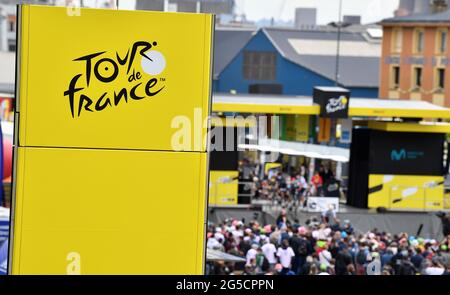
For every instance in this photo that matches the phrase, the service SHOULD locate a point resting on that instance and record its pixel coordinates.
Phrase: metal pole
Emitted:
(339, 24)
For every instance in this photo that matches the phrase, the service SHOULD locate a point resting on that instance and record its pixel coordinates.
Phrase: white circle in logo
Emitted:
(153, 63)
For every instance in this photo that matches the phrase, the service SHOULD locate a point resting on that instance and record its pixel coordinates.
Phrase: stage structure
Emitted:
(398, 166)
(100, 95)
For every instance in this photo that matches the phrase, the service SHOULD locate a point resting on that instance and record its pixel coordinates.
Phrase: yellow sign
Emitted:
(406, 192)
(223, 187)
(99, 187)
(111, 79)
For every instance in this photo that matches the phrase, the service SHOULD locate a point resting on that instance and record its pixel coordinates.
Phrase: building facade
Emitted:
(409, 7)
(415, 61)
(292, 62)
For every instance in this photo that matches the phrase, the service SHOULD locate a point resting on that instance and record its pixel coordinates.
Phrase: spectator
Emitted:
(251, 254)
(318, 248)
(445, 223)
(317, 182)
(343, 261)
(269, 250)
(323, 270)
(285, 254)
(434, 268)
(325, 256)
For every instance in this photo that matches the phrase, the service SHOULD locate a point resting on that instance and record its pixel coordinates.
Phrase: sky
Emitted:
(327, 10)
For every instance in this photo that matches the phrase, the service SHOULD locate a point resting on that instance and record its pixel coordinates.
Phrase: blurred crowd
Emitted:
(323, 246)
(294, 189)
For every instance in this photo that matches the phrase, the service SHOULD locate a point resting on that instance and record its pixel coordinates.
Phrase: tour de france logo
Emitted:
(109, 68)
(336, 104)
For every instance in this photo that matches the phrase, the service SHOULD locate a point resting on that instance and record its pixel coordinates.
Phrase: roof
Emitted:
(300, 149)
(7, 72)
(316, 50)
(227, 44)
(359, 107)
(442, 17)
(275, 104)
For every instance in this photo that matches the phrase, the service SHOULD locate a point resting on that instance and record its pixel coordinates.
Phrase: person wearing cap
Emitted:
(219, 236)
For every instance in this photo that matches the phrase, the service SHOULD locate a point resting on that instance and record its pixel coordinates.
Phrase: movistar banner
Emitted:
(406, 153)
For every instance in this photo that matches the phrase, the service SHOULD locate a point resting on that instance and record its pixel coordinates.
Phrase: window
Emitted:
(419, 41)
(259, 65)
(12, 47)
(395, 77)
(11, 26)
(442, 41)
(397, 40)
(440, 77)
(417, 82)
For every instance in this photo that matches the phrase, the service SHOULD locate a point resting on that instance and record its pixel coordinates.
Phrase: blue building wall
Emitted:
(296, 80)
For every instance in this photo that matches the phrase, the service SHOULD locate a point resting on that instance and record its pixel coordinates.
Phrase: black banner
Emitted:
(225, 156)
(406, 153)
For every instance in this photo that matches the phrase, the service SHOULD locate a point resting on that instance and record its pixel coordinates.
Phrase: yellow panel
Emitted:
(269, 166)
(447, 200)
(302, 128)
(223, 187)
(410, 127)
(290, 127)
(406, 192)
(266, 109)
(177, 65)
(116, 209)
